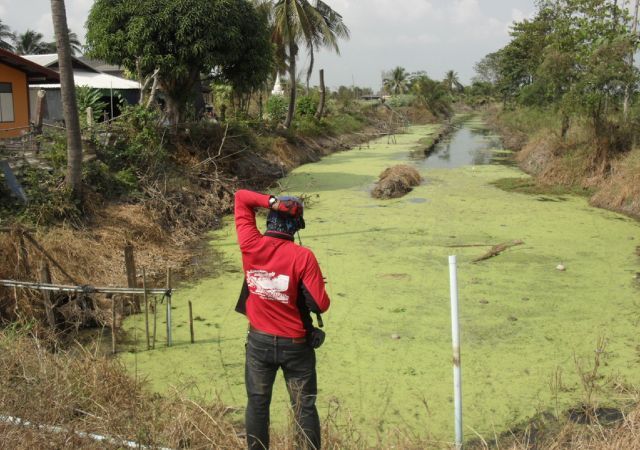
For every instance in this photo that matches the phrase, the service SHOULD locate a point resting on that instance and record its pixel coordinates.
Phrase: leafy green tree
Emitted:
(181, 39)
(397, 81)
(6, 36)
(31, 43)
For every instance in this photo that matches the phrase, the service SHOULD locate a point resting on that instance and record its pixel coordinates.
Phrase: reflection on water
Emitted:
(467, 145)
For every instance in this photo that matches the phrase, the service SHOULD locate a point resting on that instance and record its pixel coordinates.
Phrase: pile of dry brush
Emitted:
(396, 181)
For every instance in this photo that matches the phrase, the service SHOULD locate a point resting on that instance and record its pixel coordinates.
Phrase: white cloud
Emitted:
(399, 11)
(465, 11)
(419, 39)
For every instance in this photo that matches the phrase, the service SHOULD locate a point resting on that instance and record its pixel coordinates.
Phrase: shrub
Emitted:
(307, 105)
(277, 108)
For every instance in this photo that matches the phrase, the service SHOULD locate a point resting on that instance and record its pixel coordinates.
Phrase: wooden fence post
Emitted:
(130, 267)
(45, 277)
(40, 105)
(169, 340)
(146, 307)
(191, 322)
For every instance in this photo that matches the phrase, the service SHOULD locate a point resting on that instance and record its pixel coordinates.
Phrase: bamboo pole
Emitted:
(79, 289)
(168, 315)
(155, 322)
(113, 326)
(146, 307)
(193, 340)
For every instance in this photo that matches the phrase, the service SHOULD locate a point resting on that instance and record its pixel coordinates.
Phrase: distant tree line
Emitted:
(437, 96)
(32, 42)
(575, 57)
(237, 44)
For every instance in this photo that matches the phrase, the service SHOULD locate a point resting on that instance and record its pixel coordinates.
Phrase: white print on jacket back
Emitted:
(268, 285)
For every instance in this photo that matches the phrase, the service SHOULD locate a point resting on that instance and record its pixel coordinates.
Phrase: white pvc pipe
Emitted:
(455, 339)
(96, 437)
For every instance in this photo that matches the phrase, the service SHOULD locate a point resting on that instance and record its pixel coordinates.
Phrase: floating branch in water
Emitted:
(497, 249)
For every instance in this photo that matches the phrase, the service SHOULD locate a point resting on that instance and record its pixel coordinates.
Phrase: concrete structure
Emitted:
(16, 74)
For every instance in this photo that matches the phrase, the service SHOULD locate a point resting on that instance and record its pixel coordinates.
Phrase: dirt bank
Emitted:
(611, 183)
(166, 224)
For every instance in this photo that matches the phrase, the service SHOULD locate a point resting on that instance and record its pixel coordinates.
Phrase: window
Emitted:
(6, 102)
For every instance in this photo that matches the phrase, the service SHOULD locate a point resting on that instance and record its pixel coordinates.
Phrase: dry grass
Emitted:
(621, 190)
(94, 394)
(80, 391)
(575, 163)
(396, 181)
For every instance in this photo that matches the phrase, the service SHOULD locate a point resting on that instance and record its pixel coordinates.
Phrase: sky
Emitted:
(430, 35)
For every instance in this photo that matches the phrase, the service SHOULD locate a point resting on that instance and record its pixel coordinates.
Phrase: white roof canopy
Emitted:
(96, 81)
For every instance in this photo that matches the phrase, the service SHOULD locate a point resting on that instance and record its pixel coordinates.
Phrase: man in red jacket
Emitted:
(283, 285)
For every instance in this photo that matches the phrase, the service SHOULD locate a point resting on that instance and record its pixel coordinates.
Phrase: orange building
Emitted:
(16, 73)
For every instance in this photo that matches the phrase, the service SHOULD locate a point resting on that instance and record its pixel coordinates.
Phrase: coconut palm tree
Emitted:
(30, 43)
(68, 91)
(6, 36)
(299, 23)
(74, 42)
(397, 81)
(433, 94)
(330, 29)
(452, 82)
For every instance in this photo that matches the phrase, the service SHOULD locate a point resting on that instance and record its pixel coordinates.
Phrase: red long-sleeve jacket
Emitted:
(283, 281)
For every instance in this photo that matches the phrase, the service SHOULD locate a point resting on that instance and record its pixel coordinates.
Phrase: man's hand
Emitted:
(289, 207)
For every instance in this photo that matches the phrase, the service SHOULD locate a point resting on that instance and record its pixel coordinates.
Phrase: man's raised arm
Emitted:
(245, 216)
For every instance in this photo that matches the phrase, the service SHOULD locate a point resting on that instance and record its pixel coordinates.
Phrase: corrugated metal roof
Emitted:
(35, 72)
(51, 59)
(96, 81)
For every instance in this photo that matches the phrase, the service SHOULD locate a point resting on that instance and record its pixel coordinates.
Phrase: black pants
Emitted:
(265, 354)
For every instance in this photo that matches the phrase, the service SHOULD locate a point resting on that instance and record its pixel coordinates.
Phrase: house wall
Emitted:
(20, 96)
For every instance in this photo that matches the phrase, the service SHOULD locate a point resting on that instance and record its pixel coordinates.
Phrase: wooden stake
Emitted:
(45, 277)
(130, 268)
(146, 308)
(193, 340)
(40, 105)
(23, 255)
(113, 326)
(169, 340)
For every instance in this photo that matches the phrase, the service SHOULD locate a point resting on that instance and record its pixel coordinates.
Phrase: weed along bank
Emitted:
(386, 362)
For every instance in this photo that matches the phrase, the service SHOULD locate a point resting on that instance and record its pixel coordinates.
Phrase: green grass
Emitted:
(386, 263)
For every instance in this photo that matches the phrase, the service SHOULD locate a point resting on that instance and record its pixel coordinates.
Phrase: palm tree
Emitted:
(397, 81)
(68, 91)
(74, 42)
(452, 82)
(296, 23)
(6, 35)
(331, 28)
(433, 95)
(30, 43)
